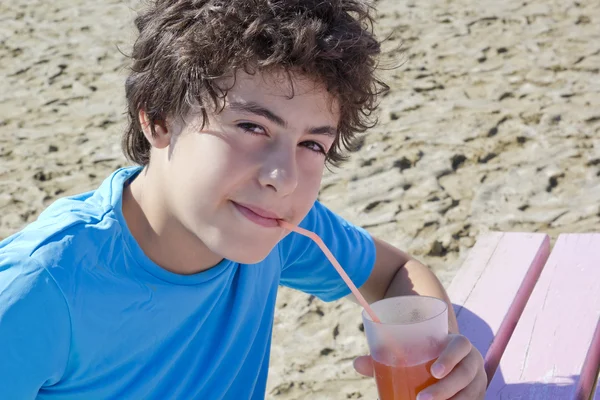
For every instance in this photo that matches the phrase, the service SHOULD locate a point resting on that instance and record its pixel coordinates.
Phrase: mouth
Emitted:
(257, 215)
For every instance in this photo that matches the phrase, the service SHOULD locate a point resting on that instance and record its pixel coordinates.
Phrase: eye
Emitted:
(251, 128)
(314, 146)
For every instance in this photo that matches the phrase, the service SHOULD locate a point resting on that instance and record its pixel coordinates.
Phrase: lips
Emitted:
(258, 215)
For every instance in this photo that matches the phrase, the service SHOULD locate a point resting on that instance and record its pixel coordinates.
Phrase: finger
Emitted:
(456, 350)
(364, 365)
(461, 377)
(475, 391)
(469, 393)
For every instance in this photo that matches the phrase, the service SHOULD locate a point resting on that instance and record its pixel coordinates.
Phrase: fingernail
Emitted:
(424, 396)
(437, 370)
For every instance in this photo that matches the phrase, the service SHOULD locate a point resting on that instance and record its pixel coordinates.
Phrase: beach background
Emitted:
(492, 123)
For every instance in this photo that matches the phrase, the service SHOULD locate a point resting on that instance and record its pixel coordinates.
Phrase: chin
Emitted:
(253, 258)
(249, 255)
(245, 248)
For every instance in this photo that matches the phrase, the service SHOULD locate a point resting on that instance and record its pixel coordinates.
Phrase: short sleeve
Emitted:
(35, 328)
(305, 267)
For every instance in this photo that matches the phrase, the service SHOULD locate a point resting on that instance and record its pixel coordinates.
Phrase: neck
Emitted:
(159, 234)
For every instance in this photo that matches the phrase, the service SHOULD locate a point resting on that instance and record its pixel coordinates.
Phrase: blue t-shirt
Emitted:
(85, 314)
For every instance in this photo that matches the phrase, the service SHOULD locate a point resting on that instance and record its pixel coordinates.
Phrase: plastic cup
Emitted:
(411, 336)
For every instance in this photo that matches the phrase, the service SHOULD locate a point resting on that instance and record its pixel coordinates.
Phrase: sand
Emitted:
(492, 123)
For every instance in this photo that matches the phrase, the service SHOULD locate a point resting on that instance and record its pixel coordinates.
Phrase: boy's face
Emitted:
(259, 159)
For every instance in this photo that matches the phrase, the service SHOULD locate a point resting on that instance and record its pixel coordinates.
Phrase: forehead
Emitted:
(289, 94)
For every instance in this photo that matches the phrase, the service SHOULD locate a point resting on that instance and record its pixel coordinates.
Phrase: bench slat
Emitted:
(594, 359)
(596, 396)
(492, 288)
(552, 354)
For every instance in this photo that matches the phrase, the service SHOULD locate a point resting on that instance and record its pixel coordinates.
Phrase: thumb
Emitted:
(364, 365)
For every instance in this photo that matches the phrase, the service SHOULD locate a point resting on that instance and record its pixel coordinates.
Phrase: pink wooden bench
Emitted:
(533, 313)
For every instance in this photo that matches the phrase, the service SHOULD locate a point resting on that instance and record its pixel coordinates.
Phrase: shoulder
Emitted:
(29, 289)
(339, 235)
(85, 223)
(35, 323)
(65, 225)
(328, 225)
(320, 217)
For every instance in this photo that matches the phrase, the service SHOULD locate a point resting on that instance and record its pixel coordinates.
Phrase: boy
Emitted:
(162, 282)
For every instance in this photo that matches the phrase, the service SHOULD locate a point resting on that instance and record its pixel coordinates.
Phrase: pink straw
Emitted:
(336, 264)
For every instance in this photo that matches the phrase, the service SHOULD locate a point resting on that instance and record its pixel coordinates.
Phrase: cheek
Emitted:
(310, 168)
(209, 161)
(193, 175)
(307, 191)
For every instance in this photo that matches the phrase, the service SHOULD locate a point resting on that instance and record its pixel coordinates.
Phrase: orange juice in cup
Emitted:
(411, 335)
(402, 383)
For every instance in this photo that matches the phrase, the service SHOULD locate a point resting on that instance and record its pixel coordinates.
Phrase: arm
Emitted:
(34, 328)
(397, 274)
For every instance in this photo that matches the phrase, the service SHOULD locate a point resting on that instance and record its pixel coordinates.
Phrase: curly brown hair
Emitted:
(185, 46)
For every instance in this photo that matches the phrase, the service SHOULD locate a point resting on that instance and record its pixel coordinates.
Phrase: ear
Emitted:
(162, 136)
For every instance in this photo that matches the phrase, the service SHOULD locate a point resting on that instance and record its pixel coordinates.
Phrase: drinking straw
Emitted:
(315, 238)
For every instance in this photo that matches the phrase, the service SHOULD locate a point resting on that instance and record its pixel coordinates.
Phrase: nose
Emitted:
(279, 172)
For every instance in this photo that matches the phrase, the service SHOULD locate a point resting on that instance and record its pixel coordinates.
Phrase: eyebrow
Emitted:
(255, 108)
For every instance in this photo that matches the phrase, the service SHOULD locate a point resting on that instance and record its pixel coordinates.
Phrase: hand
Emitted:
(459, 369)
